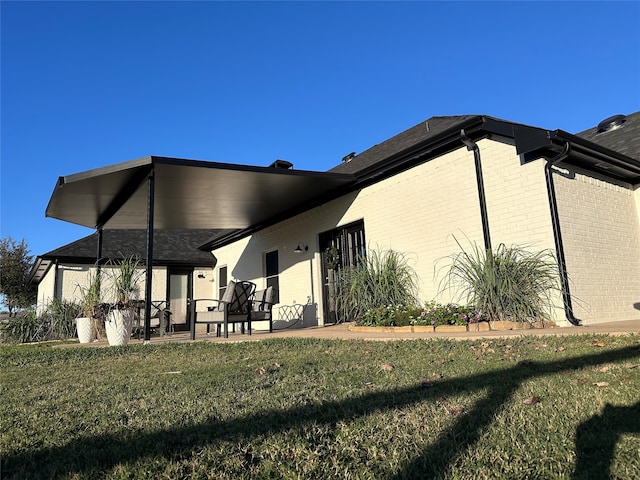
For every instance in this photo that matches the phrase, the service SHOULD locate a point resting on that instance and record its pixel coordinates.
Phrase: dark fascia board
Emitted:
(476, 128)
(534, 143)
(409, 157)
(221, 241)
(156, 263)
(596, 150)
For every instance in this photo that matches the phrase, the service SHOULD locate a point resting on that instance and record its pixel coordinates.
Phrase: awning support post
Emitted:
(149, 264)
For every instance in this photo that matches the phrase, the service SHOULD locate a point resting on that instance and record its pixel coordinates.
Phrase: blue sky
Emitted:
(89, 84)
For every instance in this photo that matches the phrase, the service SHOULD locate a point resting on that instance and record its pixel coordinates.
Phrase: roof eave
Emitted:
(38, 271)
(408, 157)
(536, 143)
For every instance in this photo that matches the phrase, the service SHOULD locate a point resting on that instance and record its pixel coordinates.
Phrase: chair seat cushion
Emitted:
(215, 316)
(257, 316)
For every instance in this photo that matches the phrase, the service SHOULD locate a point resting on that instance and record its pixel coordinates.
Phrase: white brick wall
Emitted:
(46, 289)
(415, 212)
(518, 205)
(418, 213)
(601, 235)
(517, 201)
(70, 276)
(636, 195)
(202, 287)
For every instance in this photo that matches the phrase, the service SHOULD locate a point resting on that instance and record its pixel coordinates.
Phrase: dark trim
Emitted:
(471, 145)
(56, 281)
(535, 143)
(557, 234)
(433, 147)
(147, 296)
(100, 244)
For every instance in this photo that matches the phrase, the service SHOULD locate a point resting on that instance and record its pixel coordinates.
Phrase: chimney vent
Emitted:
(347, 158)
(611, 123)
(281, 164)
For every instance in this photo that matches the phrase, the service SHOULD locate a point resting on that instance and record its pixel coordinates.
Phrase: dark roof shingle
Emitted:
(625, 140)
(175, 246)
(424, 131)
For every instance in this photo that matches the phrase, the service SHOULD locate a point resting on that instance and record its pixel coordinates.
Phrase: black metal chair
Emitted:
(262, 305)
(234, 307)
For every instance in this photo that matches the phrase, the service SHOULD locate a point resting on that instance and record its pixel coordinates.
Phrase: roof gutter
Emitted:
(557, 235)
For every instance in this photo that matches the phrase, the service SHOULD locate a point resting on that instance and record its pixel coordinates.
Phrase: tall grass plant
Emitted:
(56, 322)
(506, 283)
(383, 278)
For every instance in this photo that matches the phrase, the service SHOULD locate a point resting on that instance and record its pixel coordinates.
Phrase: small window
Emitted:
(222, 281)
(271, 273)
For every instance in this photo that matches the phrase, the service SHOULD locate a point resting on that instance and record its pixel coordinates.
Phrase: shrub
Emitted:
(449, 314)
(55, 323)
(508, 283)
(388, 316)
(23, 328)
(432, 314)
(60, 316)
(381, 278)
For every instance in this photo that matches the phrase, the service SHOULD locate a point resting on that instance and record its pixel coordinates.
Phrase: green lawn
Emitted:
(522, 408)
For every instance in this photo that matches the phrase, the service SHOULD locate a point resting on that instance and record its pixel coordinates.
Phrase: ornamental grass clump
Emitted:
(54, 323)
(508, 283)
(381, 278)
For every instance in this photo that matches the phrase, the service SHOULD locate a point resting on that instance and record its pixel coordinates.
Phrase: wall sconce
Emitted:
(301, 248)
(201, 274)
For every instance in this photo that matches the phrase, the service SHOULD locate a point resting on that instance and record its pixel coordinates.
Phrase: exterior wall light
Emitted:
(301, 247)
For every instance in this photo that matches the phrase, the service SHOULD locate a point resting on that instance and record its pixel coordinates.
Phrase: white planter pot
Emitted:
(86, 329)
(118, 326)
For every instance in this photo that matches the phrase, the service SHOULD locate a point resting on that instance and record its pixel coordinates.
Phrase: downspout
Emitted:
(56, 281)
(557, 236)
(471, 145)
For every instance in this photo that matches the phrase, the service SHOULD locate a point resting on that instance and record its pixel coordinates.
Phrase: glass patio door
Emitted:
(180, 285)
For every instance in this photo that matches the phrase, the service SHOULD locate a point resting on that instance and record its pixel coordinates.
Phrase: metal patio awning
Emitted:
(162, 193)
(188, 194)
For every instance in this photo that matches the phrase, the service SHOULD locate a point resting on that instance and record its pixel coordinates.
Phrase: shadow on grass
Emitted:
(596, 439)
(98, 454)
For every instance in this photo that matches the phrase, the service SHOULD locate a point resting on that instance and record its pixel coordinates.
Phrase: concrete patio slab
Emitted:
(342, 332)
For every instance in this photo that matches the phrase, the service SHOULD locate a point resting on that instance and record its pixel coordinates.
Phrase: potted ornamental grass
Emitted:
(125, 275)
(88, 299)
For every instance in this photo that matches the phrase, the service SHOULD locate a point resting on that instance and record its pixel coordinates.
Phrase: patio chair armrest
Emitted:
(193, 304)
